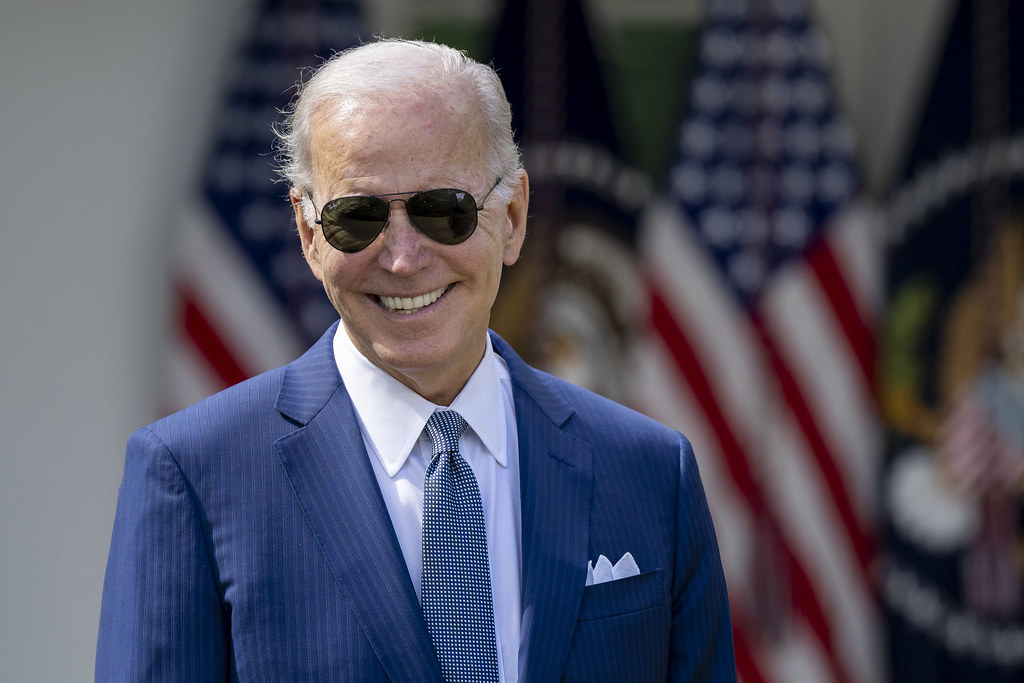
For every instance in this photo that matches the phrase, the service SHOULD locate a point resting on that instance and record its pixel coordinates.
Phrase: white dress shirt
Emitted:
(392, 418)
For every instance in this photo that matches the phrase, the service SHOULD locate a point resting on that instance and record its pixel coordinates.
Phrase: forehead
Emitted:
(436, 129)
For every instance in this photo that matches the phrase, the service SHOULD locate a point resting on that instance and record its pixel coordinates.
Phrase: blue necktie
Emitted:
(456, 581)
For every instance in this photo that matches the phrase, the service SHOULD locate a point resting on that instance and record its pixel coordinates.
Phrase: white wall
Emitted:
(100, 103)
(103, 113)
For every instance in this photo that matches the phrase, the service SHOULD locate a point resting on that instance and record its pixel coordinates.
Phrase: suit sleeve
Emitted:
(161, 617)
(701, 647)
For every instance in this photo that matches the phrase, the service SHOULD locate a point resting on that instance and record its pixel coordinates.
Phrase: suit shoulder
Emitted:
(233, 411)
(594, 414)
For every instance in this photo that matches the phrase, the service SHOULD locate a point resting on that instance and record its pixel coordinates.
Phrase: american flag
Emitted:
(245, 298)
(765, 286)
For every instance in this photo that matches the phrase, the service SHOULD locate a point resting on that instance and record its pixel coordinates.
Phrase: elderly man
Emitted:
(409, 501)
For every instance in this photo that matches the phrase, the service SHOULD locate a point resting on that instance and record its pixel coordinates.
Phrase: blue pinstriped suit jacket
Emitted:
(251, 543)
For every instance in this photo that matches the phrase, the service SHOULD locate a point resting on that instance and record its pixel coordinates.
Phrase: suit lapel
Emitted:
(334, 484)
(556, 480)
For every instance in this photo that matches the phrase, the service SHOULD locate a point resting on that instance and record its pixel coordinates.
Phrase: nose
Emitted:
(403, 248)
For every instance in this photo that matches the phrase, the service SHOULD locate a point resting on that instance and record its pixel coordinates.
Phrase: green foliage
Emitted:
(462, 35)
(649, 69)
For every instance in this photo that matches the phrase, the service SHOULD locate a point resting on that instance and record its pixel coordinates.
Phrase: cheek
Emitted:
(346, 276)
(335, 275)
(494, 268)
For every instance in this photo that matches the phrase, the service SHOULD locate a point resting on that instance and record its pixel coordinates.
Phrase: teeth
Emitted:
(407, 305)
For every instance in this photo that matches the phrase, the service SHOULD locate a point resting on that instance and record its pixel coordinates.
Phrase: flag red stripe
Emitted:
(801, 410)
(746, 663)
(686, 360)
(857, 331)
(807, 602)
(211, 346)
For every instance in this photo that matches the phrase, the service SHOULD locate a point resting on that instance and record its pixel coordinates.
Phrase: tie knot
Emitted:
(444, 429)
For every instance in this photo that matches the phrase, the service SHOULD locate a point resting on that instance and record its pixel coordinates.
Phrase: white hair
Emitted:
(396, 65)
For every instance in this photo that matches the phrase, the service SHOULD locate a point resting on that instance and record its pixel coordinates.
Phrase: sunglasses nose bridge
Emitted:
(404, 211)
(401, 235)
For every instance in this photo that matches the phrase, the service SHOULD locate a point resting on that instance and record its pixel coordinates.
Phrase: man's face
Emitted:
(407, 144)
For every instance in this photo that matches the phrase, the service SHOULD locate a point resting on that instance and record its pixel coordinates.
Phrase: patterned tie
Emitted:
(456, 583)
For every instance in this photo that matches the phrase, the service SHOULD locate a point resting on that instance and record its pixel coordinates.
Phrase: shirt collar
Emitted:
(393, 416)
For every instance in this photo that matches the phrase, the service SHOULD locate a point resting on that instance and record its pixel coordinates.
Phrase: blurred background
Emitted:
(789, 228)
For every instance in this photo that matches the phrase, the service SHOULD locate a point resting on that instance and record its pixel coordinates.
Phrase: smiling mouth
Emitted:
(405, 305)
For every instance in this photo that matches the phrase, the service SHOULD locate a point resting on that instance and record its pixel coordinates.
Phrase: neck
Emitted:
(440, 386)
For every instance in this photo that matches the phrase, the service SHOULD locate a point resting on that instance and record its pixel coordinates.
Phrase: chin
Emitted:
(412, 355)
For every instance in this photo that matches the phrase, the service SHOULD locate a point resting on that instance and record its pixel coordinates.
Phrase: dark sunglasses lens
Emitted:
(352, 223)
(446, 216)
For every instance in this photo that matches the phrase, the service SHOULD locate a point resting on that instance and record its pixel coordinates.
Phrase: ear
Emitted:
(307, 233)
(515, 225)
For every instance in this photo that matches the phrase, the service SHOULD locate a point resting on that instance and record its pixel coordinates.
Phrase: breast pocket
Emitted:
(622, 633)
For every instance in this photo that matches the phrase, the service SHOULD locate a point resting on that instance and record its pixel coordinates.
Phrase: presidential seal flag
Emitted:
(244, 298)
(953, 484)
(763, 272)
(570, 304)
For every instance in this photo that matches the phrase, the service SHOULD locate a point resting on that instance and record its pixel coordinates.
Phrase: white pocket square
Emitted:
(604, 571)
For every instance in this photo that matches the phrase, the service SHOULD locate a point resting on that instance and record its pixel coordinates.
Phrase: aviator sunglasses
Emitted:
(445, 215)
